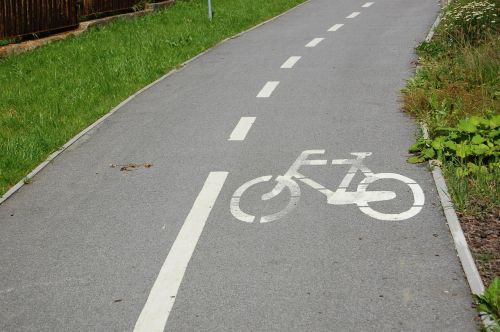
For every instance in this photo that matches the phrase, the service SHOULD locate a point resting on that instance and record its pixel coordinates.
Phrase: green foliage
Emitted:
(489, 303)
(474, 143)
(477, 194)
(469, 21)
(8, 41)
(432, 48)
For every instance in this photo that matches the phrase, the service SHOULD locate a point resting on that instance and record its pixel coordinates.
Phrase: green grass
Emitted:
(50, 94)
(476, 194)
(454, 83)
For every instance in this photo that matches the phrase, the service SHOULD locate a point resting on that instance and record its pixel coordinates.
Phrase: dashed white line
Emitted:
(314, 42)
(290, 62)
(368, 4)
(155, 313)
(268, 89)
(242, 128)
(336, 27)
(353, 15)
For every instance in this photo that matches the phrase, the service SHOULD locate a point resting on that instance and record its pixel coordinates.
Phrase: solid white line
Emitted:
(314, 42)
(268, 89)
(368, 4)
(353, 15)
(336, 27)
(155, 313)
(241, 130)
(290, 62)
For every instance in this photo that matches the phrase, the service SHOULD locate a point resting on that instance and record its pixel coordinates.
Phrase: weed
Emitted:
(474, 142)
(485, 257)
(4, 42)
(473, 193)
(431, 48)
(489, 303)
(454, 84)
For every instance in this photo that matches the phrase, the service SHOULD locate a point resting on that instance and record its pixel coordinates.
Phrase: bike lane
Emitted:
(320, 267)
(324, 267)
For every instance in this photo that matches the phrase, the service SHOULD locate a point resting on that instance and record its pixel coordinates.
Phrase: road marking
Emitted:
(368, 4)
(155, 313)
(336, 27)
(268, 89)
(290, 62)
(241, 130)
(314, 42)
(239, 214)
(353, 15)
(362, 197)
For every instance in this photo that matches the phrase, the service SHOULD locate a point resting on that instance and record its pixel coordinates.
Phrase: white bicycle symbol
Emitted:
(361, 197)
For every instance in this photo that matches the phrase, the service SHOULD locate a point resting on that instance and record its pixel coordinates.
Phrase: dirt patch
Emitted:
(131, 167)
(483, 237)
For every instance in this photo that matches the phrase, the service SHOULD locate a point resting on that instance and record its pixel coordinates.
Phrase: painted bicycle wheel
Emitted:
(293, 190)
(418, 197)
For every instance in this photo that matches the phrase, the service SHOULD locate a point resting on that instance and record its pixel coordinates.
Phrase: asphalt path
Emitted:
(89, 247)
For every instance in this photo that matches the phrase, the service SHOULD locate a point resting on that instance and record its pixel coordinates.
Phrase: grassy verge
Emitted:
(50, 94)
(456, 94)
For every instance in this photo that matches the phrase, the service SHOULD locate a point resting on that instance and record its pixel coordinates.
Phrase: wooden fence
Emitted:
(21, 17)
(24, 17)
